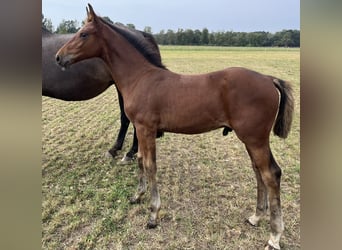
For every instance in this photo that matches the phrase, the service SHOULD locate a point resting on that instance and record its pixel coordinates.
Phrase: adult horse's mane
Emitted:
(138, 39)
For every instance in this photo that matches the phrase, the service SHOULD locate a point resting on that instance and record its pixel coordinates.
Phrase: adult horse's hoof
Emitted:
(108, 155)
(151, 224)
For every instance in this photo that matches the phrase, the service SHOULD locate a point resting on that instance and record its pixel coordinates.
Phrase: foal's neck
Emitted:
(126, 64)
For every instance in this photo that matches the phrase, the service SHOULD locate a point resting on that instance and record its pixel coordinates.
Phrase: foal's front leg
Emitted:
(151, 171)
(148, 168)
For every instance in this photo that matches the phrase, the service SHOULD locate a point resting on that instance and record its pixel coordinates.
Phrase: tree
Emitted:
(47, 24)
(286, 40)
(258, 39)
(188, 37)
(131, 26)
(290, 38)
(171, 37)
(118, 23)
(148, 29)
(180, 37)
(106, 18)
(212, 39)
(296, 38)
(197, 39)
(67, 26)
(205, 36)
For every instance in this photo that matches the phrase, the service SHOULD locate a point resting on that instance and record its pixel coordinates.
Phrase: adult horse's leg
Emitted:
(129, 157)
(262, 198)
(123, 128)
(134, 148)
(122, 133)
(147, 150)
(270, 174)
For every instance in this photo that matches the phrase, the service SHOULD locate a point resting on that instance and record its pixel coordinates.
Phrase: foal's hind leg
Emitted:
(270, 174)
(141, 190)
(262, 199)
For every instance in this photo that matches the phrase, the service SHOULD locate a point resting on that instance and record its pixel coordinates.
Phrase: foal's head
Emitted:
(84, 44)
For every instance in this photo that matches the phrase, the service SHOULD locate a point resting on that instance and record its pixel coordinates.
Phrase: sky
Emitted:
(215, 15)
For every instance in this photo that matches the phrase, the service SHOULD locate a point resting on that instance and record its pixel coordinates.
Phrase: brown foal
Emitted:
(158, 100)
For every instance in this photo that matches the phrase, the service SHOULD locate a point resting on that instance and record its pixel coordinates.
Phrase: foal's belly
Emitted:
(193, 122)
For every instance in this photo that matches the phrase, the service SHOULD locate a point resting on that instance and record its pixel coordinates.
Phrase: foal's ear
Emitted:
(91, 16)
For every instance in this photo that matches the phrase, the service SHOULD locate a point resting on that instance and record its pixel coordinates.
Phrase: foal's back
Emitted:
(204, 102)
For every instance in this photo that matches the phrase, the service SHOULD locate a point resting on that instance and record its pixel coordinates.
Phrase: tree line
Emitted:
(284, 38)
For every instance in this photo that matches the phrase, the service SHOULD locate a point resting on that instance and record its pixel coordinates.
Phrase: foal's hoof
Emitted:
(249, 222)
(151, 224)
(127, 160)
(269, 247)
(134, 200)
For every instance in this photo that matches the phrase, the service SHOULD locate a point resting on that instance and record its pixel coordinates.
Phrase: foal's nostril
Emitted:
(58, 58)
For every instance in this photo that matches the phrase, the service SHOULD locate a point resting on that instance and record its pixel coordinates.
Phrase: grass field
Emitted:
(206, 182)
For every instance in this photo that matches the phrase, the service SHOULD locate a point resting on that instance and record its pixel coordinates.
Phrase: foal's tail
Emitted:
(283, 121)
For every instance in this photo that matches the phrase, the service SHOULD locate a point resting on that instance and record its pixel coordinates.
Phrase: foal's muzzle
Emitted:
(63, 61)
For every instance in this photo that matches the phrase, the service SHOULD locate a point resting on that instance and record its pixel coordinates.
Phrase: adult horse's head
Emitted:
(84, 44)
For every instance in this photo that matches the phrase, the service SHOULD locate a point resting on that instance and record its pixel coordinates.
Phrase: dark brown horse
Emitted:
(86, 80)
(156, 99)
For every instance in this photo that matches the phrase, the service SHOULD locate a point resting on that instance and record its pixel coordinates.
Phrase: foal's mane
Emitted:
(142, 41)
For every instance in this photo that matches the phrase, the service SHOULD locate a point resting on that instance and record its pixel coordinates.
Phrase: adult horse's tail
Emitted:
(283, 122)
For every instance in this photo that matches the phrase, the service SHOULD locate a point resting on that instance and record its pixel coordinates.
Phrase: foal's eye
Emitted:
(83, 35)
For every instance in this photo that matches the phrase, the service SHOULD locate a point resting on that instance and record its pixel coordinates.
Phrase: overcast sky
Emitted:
(215, 15)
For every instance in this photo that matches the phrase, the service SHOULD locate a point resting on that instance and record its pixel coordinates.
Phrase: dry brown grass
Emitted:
(206, 182)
